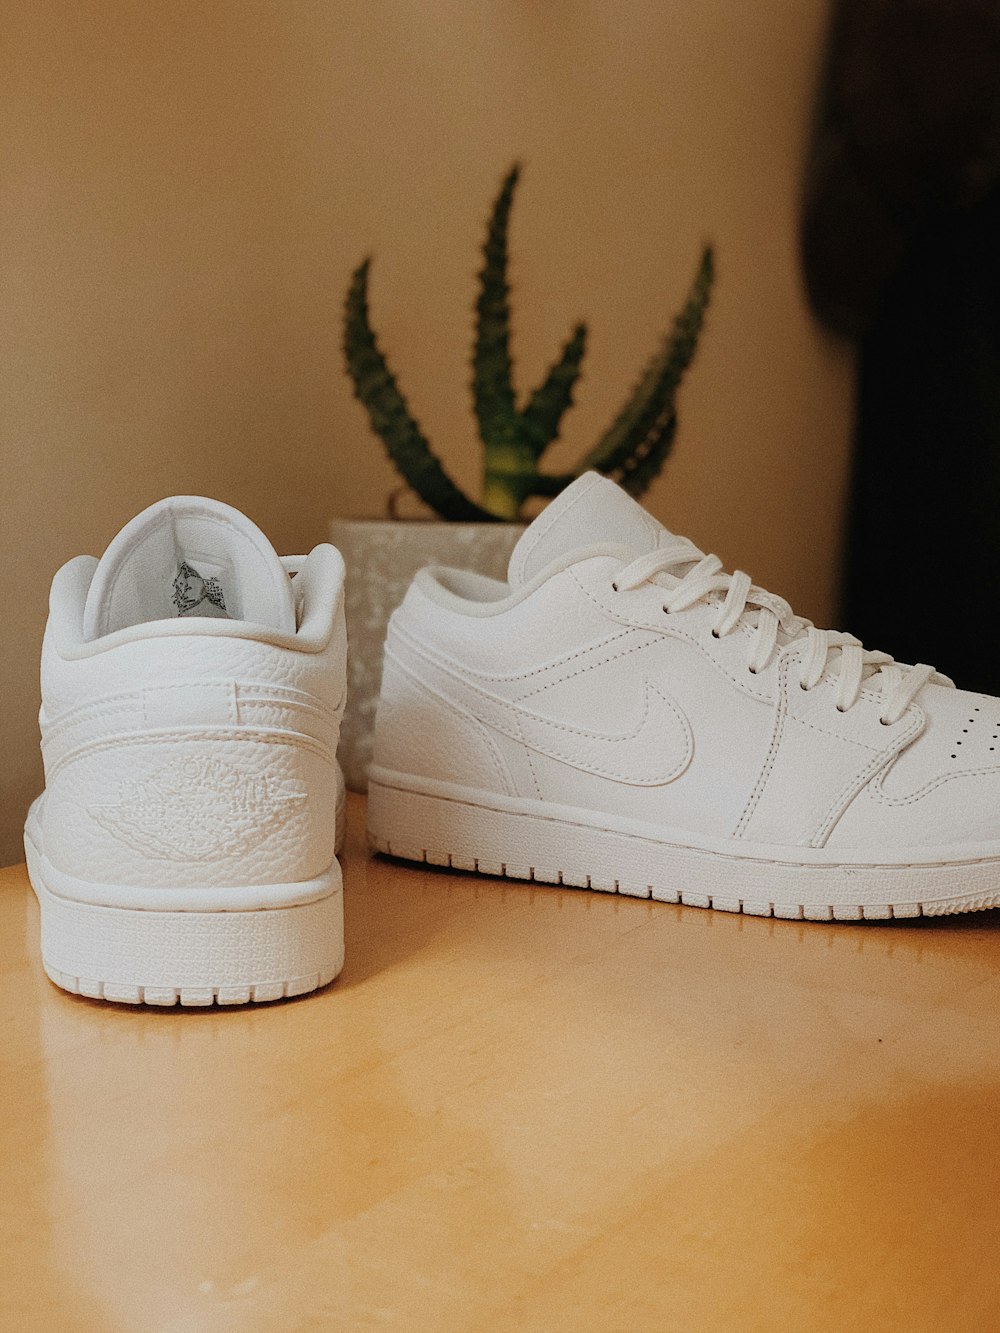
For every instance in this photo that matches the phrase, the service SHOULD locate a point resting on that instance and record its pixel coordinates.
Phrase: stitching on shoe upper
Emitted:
(113, 705)
(533, 771)
(511, 726)
(878, 792)
(673, 631)
(551, 722)
(504, 775)
(591, 666)
(772, 752)
(540, 529)
(433, 654)
(834, 735)
(500, 767)
(249, 735)
(866, 691)
(512, 676)
(852, 788)
(110, 706)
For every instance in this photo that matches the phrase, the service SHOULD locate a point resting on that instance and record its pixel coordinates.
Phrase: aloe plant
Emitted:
(632, 450)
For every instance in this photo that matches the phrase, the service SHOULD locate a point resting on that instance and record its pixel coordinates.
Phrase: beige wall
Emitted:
(187, 186)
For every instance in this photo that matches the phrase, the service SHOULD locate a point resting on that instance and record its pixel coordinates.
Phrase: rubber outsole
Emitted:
(189, 997)
(481, 839)
(132, 956)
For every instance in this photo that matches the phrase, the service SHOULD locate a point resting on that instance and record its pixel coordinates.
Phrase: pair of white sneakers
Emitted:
(620, 715)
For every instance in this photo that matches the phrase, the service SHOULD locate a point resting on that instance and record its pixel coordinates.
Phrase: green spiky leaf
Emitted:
(544, 410)
(376, 388)
(646, 464)
(492, 372)
(635, 445)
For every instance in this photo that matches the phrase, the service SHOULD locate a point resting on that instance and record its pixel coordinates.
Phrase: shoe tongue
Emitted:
(591, 511)
(188, 557)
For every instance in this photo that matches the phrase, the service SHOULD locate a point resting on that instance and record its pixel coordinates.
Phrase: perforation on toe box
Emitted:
(961, 734)
(979, 738)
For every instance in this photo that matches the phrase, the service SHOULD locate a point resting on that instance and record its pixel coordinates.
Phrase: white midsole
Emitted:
(864, 858)
(191, 955)
(417, 818)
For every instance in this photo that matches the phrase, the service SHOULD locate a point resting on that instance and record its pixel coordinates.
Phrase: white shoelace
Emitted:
(824, 649)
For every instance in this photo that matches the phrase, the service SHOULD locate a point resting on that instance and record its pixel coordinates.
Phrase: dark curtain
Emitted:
(901, 244)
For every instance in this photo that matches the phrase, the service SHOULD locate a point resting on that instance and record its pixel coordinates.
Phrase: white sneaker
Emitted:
(184, 847)
(625, 716)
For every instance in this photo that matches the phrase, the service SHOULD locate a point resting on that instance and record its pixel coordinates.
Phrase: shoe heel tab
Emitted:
(319, 595)
(67, 598)
(322, 551)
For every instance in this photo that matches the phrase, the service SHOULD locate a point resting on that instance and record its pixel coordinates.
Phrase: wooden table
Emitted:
(520, 1108)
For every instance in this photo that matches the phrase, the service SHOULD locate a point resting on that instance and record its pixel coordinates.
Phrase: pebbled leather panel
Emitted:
(190, 703)
(438, 739)
(194, 760)
(232, 780)
(966, 809)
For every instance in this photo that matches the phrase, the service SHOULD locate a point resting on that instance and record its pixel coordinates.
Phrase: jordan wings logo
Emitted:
(191, 590)
(654, 750)
(193, 811)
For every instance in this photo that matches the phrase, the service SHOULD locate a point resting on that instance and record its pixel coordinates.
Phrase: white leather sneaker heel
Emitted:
(623, 715)
(213, 951)
(184, 849)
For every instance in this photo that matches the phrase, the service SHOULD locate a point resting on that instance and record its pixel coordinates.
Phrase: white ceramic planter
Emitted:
(382, 557)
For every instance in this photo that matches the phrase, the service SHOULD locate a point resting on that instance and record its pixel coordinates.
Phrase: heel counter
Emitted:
(209, 782)
(420, 732)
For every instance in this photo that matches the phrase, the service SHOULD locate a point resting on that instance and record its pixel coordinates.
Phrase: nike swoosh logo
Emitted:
(655, 749)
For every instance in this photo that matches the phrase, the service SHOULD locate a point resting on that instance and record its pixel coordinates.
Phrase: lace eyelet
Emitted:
(803, 687)
(614, 587)
(841, 710)
(884, 722)
(753, 670)
(666, 610)
(716, 634)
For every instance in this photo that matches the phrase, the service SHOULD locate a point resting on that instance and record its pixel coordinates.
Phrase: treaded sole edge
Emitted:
(194, 959)
(479, 838)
